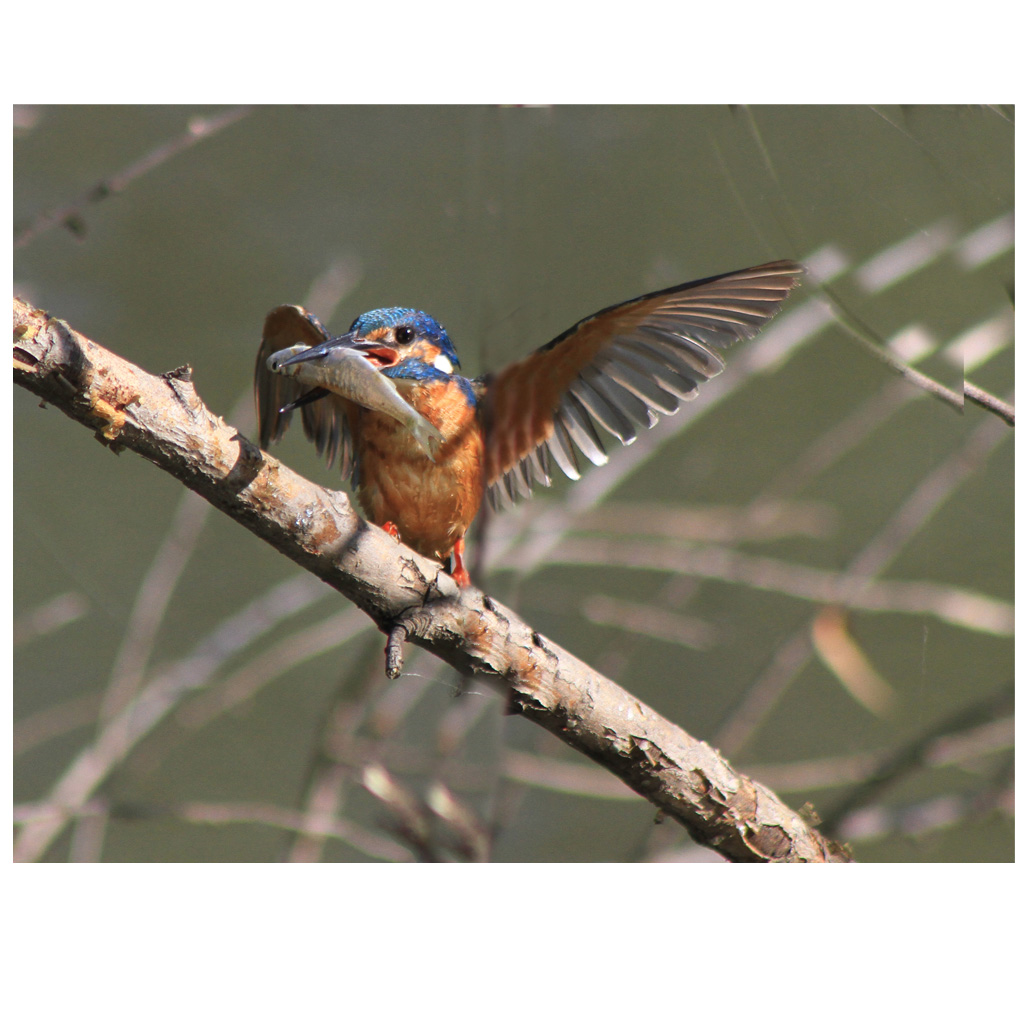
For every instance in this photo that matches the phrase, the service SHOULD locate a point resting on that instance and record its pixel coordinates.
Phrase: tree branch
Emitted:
(72, 215)
(409, 597)
(990, 402)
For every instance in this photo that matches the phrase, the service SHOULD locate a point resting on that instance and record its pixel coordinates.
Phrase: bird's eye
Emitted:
(404, 334)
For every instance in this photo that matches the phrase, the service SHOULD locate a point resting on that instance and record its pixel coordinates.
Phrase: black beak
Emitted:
(320, 351)
(310, 396)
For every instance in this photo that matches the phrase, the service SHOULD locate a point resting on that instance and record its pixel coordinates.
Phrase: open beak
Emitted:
(323, 350)
(379, 355)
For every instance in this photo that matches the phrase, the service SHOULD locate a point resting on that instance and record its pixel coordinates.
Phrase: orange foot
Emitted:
(459, 572)
(390, 528)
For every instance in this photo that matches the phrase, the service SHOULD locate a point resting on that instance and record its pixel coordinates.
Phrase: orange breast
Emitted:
(431, 503)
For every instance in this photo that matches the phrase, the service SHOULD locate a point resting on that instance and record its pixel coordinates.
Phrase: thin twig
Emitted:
(46, 618)
(860, 590)
(990, 402)
(271, 663)
(918, 819)
(843, 316)
(208, 813)
(70, 215)
(873, 345)
(912, 755)
(56, 720)
(151, 601)
(349, 832)
(967, 744)
(327, 774)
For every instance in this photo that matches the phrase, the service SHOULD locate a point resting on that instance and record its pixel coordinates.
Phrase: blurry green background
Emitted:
(508, 225)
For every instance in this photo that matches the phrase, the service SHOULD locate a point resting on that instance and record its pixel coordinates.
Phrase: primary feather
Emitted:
(621, 368)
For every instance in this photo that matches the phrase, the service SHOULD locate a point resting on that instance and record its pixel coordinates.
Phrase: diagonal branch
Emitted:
(71, 215)
(163, 419)
(990, 402)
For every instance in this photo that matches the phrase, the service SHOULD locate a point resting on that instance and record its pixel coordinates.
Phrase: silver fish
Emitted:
(350, 374)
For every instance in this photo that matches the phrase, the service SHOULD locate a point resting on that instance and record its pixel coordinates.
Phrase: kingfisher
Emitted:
(500, 434)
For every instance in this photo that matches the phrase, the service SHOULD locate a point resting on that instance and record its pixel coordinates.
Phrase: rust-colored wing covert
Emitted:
(621, 367)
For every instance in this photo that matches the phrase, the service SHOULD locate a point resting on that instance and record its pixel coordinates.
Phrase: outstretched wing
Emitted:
(325, 418)
(621, 368)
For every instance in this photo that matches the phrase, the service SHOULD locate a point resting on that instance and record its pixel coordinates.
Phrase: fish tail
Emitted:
(429, 437)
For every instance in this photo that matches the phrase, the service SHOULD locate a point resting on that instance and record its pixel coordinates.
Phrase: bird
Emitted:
(503, 433)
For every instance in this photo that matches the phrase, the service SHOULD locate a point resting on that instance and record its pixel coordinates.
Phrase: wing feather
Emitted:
(614, 421)
(625, 365)
(325, 421)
